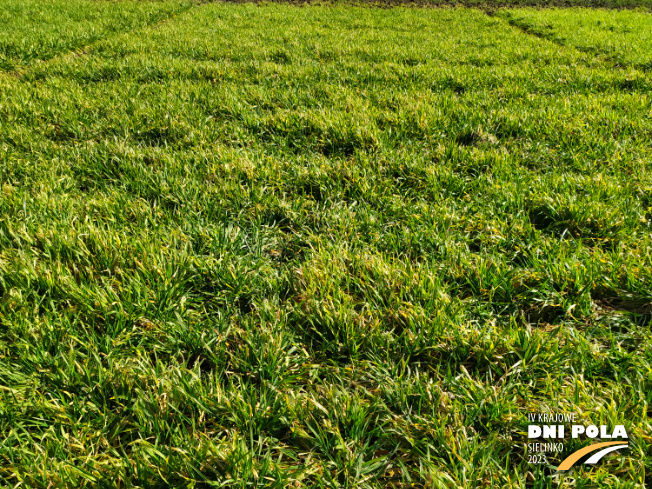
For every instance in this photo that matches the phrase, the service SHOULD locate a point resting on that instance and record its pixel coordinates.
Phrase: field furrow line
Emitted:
(602, 57)
(83, 50)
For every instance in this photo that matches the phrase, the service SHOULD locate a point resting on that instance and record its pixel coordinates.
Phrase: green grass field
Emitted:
(263, 245)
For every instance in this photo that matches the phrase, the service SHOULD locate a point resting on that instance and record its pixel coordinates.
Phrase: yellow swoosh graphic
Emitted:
(575, 456)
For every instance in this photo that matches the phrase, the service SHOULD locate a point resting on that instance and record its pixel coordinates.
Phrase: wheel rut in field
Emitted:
(603, 57)
(82, 50)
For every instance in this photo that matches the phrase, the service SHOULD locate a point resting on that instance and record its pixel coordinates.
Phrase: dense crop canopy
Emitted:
(328, 247)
